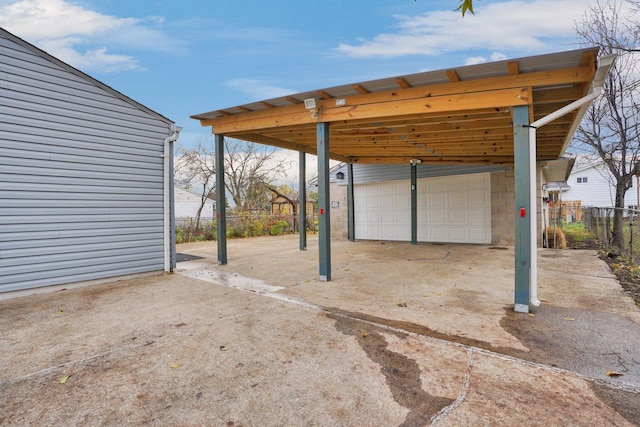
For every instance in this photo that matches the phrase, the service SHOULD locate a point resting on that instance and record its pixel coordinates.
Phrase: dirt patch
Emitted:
(402, 373)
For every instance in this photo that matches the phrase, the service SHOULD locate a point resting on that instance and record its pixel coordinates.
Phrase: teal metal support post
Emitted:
(221, 211)
(414, 204)
(302, 201)
(522, 171)
(324, 223)
(351, 229)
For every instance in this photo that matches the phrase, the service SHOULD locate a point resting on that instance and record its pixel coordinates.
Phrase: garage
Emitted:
(453, 209)
(513, 113)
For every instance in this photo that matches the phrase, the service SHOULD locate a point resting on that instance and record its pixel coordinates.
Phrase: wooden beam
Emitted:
(287, 116)
(400, 81)
(453, 76)
(262, 139)
(361, 90)
(546, 78)
(324, 95)
(293, 100)
(475, 160)
(513, 67)
(266, 105)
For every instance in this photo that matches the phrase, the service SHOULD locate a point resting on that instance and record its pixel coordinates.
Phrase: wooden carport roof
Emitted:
(460, 115)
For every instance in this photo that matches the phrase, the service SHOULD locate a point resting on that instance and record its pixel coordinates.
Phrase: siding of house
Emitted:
(81, 176)
(187, 204)
(599, 190)
(363, 174)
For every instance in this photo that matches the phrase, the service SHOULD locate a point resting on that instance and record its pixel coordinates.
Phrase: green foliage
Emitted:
(466, 6)
(279, 228)
(238, 226)
(235, 232)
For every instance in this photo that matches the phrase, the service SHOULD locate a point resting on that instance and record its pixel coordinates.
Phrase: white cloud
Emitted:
(82, 37)
(257, 89)
(495, 56)
(522, 26)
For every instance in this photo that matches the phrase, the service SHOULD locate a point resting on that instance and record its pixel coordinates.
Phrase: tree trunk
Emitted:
(618, 217)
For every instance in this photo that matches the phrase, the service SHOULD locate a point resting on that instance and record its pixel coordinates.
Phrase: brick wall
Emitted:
(339, 216)
(503, 228)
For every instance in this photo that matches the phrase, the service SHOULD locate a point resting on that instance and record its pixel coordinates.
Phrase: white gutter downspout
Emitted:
(168, 148)
(604, 64)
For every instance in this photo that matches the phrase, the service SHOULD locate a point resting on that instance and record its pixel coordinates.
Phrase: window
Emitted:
(582, 180)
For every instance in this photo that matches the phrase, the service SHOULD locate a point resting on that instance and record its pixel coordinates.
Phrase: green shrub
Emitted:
(279, 228)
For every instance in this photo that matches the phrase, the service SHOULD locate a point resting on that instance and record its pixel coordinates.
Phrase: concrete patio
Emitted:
(402, 335)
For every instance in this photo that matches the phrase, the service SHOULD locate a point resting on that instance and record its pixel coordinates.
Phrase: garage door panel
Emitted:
(458, 234)
(456, 200)
(458, 217)
(456, 184)
(403, 218)
(477, 198)
(449, 209)
(436, 200)
(478, 217)
(438, 217)
(403, 201)
(438, 234)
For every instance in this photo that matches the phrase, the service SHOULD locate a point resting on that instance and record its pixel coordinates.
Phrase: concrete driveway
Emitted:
(402, 335)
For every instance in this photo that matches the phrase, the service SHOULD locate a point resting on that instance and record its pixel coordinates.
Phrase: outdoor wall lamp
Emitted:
(311, 105)
(340, 175)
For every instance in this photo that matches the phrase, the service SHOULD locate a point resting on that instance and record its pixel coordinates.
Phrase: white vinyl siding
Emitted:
(81, 177)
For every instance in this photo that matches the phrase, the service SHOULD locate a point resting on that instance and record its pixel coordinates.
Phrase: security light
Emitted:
(310, 104)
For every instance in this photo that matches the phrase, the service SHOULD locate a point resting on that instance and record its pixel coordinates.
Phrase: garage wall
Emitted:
(502, 208)
(81, 176)
(503, 222)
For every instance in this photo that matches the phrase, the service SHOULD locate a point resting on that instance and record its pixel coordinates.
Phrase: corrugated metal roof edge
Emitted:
(83, 75)
(468, 71)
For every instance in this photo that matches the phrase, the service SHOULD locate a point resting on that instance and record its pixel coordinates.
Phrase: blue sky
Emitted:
(185, 57)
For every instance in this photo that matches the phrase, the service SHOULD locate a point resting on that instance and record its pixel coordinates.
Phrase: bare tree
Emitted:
(250, 172)
(248, 167)
(610, 128)
(195, 170)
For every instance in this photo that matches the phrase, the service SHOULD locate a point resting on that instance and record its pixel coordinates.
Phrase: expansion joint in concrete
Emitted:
(444, 412)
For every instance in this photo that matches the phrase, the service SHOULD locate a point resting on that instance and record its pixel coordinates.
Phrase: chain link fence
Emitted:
(239, 226)
(600, 222)
(595, 224)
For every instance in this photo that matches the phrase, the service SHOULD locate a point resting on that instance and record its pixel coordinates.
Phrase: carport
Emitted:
(513, 112)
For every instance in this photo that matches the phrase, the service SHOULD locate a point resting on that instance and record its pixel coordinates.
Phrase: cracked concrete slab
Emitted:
(402, 336)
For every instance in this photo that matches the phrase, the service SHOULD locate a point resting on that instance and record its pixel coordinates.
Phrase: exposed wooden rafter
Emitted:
(449, 121)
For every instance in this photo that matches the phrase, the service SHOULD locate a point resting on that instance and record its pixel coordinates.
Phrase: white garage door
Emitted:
(450, 209)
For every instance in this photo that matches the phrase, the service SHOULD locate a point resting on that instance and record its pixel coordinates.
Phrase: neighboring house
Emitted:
(592, 184)
(187, 204)
(86, 175)
(282, 206)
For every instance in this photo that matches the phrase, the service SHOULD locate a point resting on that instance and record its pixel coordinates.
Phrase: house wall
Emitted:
(599, 190)
(82, 175)
(188, 203)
